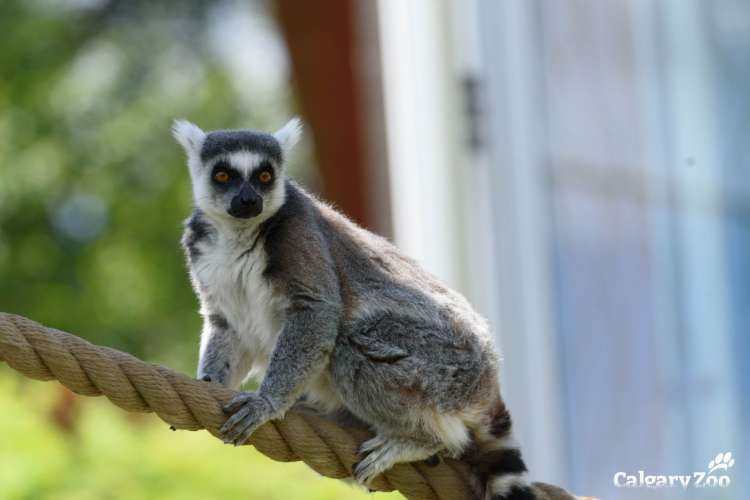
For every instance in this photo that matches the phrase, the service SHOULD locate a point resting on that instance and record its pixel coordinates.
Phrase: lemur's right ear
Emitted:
(190, 136)
(289, 134)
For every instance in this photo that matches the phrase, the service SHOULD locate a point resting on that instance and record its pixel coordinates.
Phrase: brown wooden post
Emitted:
(323, 46)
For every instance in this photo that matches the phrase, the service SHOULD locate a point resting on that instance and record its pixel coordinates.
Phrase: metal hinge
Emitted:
(471, 85)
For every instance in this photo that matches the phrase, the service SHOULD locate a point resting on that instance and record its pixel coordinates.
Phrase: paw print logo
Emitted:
(722, 461)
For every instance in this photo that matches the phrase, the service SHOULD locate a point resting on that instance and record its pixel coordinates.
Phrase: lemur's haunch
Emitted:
(296, 294)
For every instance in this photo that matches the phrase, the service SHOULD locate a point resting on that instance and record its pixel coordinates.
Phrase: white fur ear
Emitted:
(190, 136)
(289, 134)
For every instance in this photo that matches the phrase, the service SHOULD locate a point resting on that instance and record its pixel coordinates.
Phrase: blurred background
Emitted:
(578, 169)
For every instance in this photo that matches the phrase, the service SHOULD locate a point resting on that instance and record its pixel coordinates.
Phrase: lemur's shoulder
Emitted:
(296, 247)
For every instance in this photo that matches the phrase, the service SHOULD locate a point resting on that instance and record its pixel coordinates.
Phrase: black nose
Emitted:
(247, 203)
(249, 199)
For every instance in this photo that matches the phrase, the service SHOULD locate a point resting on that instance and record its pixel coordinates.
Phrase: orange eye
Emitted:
(265, 177)
(221, 176)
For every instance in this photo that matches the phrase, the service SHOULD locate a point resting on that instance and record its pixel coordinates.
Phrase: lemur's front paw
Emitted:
(249, 411)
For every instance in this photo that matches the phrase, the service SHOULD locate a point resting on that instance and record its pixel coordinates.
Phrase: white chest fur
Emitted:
(230, 278)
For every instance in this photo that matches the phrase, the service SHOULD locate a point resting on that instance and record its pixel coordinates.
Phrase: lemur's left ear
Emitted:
(289, 134)
(190, 136)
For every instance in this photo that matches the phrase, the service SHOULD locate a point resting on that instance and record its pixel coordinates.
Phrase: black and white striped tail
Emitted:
(504, 475)
(498, 464)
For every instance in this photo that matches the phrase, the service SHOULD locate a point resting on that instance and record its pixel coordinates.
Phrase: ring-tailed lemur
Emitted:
(294, 292)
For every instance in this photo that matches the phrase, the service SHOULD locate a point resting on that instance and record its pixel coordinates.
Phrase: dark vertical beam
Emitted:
(324, 47)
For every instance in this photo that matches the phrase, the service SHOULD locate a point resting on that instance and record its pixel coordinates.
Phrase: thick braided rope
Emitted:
(44, 353)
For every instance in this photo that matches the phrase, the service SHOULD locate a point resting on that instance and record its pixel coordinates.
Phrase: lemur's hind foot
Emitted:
(381, 453)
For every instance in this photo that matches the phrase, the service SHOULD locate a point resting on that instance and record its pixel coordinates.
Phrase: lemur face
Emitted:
(240, 183)
(237, 174)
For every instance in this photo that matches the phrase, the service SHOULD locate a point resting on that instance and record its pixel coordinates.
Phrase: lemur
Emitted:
(295, 294)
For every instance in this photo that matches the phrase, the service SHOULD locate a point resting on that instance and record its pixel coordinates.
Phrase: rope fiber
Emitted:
(323, 443)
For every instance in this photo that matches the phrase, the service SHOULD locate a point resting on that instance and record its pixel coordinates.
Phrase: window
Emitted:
(619, 169)
(600, 218)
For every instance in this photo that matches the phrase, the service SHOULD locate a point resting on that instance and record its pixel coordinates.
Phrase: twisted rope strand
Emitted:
(44, 353)
(329, 448)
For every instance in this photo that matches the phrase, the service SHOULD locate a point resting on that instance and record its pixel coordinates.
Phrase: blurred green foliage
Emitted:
(114, 455)
(93, 189)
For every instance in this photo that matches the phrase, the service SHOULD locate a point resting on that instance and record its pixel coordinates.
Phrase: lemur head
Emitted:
(237, 174)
